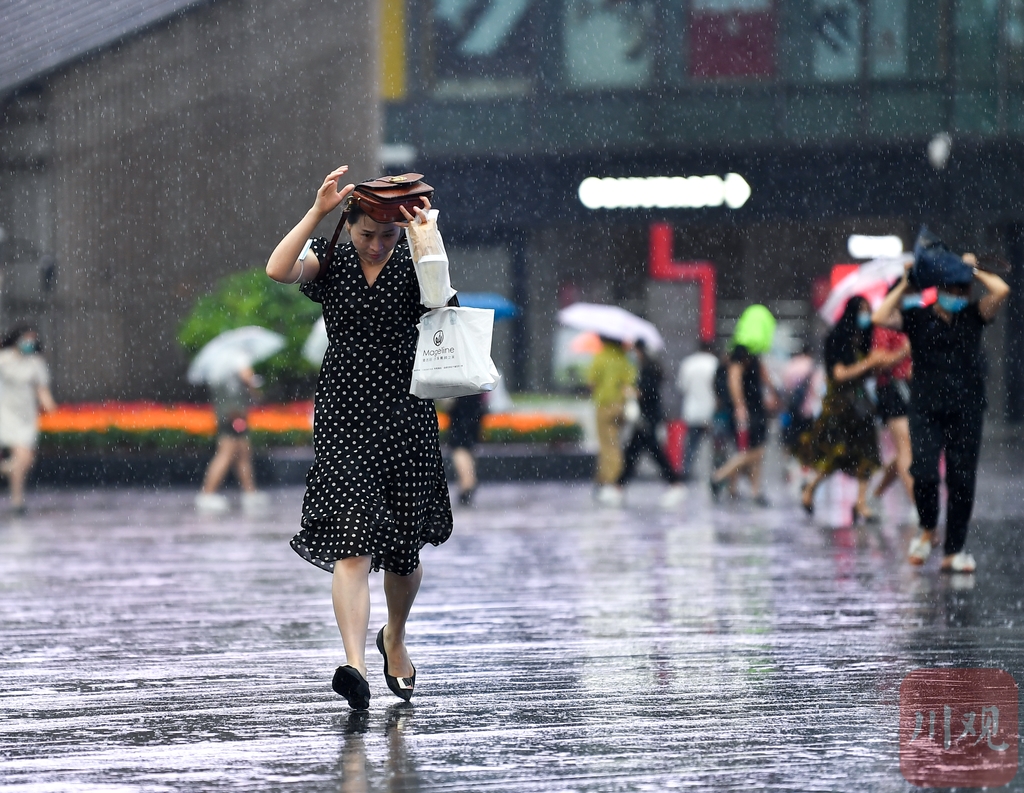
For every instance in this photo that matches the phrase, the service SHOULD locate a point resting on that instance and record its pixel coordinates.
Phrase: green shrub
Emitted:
(251, 298)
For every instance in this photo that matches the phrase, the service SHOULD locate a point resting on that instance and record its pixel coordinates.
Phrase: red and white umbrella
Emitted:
(871, 281)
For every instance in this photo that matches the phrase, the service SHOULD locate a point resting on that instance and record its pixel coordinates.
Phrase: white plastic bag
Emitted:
(453, 353)
(430, 260)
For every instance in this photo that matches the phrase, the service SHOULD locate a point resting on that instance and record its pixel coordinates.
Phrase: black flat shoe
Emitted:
(351, 685)
(400, 686)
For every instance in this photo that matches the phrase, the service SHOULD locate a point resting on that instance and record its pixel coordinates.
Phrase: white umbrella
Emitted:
(233, 351)
(871, 280)
(612, 322)
(315, 347)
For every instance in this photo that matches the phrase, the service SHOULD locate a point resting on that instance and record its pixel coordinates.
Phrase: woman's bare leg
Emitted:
(220, 464)
(465, 468)
(737, 463)
(807, 496)
(754, 469)
(243, 464)
(891, 475)
(350, 593)
(900, 429)
(400, 591)
(22, 458)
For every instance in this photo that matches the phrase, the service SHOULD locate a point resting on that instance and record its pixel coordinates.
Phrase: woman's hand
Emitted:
(419, 214)
(328, 197)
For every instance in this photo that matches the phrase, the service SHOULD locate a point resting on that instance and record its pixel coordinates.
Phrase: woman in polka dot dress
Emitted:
(376, 493)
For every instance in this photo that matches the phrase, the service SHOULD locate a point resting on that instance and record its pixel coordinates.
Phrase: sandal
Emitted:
(959, 563)
(920, 550)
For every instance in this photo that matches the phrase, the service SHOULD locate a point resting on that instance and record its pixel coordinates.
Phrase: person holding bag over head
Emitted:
(376, 493)
(947, 391)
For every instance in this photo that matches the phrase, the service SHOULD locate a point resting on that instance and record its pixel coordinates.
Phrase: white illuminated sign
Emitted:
(664, 192)
(862, 246)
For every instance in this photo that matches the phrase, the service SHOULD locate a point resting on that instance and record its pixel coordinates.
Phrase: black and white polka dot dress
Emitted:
(377, 485)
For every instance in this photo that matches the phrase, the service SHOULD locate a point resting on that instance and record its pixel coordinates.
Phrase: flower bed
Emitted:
(523, 428)
(152, 426)
(125, 427)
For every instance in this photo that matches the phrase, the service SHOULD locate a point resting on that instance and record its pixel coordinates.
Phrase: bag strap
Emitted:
(334, 240)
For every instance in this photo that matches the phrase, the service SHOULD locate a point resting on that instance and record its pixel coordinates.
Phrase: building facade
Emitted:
(149, 147)
(842, 116)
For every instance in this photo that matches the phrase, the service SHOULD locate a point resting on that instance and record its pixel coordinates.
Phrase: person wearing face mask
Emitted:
(947, 398)
(843, 436)
(24, 389)
(376, 493)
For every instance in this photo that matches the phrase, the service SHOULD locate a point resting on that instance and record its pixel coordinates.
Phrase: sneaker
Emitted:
(254, 503)
(919, 551)
(959, 563)
(609, 496)
(466, 497)
(674, 496)
(212, 503)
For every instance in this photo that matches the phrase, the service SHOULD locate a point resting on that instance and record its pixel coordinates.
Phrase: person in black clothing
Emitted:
(747, 381)
(644, 431)
(463, 433)
(947, 402)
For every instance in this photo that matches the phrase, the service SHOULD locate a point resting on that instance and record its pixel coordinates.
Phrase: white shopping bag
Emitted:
(453, 353)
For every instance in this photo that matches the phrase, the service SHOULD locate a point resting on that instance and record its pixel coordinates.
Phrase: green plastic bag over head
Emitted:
(755, 330)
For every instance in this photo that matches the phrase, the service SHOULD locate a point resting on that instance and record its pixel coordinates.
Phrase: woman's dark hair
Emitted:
(11, 337)
(848, 341)
(354, 212)
(610, 340)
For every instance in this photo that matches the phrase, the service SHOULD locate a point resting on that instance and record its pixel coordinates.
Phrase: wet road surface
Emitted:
(560, 646)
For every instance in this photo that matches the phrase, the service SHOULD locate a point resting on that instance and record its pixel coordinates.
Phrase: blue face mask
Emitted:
(911, 301)
(952, 303)
(27, 347)
(863, 321)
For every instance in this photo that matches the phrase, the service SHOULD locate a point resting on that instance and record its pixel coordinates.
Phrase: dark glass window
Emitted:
(483, 47)
(608, 44)
(976, 40)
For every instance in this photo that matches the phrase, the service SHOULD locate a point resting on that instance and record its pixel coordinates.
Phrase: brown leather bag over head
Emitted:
(382, 200)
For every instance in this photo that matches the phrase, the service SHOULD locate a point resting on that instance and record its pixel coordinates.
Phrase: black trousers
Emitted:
(644, 439)
(958, 432)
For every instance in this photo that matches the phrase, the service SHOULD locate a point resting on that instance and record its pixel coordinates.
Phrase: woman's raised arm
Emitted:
(284, 265)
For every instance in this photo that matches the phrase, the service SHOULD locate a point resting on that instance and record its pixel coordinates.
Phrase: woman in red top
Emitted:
(893, 391)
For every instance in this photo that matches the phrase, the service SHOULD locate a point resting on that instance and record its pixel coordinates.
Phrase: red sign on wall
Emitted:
(732, 38)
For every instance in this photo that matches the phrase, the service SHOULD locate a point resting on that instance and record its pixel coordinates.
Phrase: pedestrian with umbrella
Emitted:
(376, 493)
(947, 392)
(225, 366)
(612, 380)
(748, 384)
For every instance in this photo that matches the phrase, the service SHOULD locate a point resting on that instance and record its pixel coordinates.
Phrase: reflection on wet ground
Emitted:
(560, 647)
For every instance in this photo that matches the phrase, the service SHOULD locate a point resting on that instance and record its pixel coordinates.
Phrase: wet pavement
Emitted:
(560, 646)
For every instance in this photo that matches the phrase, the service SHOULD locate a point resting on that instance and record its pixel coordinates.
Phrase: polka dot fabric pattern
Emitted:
(377, 485)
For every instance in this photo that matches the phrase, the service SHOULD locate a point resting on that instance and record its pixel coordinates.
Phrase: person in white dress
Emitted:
(24, 389)
(696, 381)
